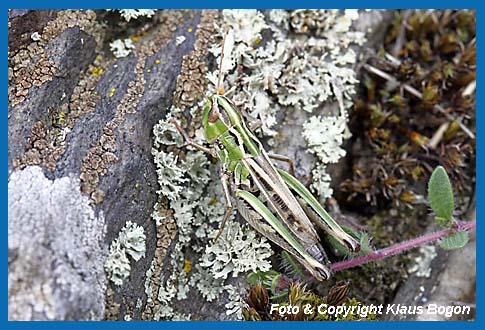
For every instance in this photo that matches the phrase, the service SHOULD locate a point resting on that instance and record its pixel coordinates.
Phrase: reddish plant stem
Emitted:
(401, 247)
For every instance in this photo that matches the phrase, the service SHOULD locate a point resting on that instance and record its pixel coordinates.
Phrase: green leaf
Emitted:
(440, 194)
(455, 241)
(441, 221)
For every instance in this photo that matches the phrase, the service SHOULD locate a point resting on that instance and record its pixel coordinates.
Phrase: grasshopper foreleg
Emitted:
(189, 141)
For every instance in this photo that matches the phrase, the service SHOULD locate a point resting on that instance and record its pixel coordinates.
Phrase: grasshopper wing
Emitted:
(321, 218)
(250, 210)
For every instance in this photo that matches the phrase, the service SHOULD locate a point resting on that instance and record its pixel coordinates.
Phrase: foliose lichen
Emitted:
(300, 72)
(130, 242)
(238, 251)
(121, 48)
(129, 14)
(324, 136)
(118, 265)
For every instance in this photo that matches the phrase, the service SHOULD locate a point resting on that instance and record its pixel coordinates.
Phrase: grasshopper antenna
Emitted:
(220, 90)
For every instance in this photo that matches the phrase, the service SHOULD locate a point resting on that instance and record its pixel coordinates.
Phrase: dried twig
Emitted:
(401, 34)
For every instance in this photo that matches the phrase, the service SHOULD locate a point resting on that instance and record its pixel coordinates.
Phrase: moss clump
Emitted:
(305, 305)
(416, 111)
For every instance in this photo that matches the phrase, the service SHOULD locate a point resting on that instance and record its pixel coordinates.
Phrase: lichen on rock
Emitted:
(130, 242)
(129, 14)
(121, 48)
(56, 254)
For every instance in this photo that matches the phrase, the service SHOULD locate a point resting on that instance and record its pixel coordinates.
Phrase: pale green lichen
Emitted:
(209, 287)
(129, 14)
(321, 181)
(303, 72)
(121, 48)
(246, 24)
(235, 304)
(117, 266)
(171, 185)
(132, 238)
(237, 251)
(130, 241)
(325, 136)
(165, 134)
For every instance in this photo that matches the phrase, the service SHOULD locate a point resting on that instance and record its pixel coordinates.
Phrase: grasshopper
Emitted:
(265, 194)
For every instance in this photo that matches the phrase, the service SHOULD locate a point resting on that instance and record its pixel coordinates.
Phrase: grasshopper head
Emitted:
(219, 115)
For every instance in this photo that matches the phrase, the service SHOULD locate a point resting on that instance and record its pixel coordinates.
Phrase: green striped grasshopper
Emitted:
(265, 194)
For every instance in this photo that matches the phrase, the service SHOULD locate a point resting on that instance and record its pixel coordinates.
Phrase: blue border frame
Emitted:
(4, 324)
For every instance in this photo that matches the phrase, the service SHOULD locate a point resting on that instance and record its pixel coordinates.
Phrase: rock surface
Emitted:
(80, 156)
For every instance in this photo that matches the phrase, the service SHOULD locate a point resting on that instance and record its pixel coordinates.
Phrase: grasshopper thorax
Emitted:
(219, 116)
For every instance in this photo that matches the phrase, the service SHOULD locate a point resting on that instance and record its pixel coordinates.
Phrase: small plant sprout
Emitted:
(453, 236)
(440, 195)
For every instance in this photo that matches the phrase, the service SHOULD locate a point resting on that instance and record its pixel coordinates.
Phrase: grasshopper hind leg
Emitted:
(261, 219)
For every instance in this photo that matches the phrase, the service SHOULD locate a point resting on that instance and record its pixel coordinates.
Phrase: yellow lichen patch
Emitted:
(97, 71)
(187, 266)
(112, 92)
(135, 38)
